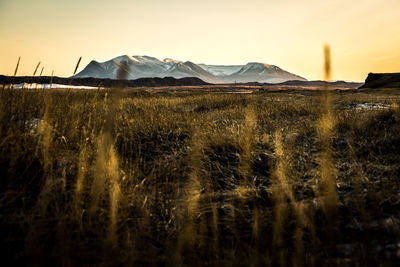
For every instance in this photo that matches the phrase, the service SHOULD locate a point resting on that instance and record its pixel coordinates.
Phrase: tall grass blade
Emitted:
(16, 68)
(77, 65)
(37, 66)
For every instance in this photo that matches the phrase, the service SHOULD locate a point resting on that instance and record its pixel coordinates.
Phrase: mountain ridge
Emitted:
(193, 82)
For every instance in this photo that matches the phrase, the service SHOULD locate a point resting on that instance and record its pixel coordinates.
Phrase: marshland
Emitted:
(178, 178)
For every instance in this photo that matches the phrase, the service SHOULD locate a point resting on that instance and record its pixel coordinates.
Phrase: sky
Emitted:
(364, 35)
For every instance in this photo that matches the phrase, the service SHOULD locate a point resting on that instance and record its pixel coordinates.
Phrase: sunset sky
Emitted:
(364, 35)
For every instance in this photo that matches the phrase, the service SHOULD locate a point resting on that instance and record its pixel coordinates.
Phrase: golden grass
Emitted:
(110, 177)
(77, 66)
(326, 126)
(16, 67)
(37, 67)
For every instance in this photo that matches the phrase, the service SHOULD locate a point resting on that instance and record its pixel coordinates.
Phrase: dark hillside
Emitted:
(382, 80)
(167, 81)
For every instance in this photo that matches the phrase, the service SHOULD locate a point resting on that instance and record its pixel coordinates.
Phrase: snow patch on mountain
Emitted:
(221, 70)
(126, 58)
(170, 60)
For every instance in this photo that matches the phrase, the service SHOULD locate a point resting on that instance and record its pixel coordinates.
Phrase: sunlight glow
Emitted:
(363, 34)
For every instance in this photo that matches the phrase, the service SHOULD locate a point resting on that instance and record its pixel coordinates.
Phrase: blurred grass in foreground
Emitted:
(168, 178)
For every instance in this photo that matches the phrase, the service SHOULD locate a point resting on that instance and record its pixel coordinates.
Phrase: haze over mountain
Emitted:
(146, 66)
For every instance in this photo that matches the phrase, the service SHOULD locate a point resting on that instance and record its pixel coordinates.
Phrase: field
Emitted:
(176, 178)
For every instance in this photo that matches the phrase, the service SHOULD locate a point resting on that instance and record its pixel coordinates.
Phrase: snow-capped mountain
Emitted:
(221, 70)
(263, 73)
(145, 66)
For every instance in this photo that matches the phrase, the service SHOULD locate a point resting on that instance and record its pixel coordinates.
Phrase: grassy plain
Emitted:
(161, 177)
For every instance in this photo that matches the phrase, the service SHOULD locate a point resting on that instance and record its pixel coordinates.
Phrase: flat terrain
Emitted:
(166, 83)
(181, 176)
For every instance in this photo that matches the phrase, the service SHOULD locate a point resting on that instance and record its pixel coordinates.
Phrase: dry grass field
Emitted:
(138, 178)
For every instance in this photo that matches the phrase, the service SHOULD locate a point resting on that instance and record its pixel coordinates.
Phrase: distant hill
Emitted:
(151, 67)
(170, 81)
(324, 83)
(382, 80)
(96, 82)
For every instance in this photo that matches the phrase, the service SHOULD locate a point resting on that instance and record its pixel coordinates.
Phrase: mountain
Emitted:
(147, 67)
(262, 73)
(190, 69)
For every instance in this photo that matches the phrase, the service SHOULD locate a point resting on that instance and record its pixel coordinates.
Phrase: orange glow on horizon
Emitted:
(363, 34)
